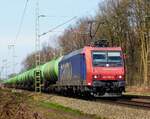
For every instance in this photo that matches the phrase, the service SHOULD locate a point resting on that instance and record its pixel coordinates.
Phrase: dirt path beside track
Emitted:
(15, 104)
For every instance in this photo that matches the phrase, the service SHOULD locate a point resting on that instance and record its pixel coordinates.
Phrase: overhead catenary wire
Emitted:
(51, 30)
(22, 19)
(13, 42)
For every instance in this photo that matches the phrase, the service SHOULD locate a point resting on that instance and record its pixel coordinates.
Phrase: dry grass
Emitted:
(28, 105)
(142, 90)
(17, 104)
(13, 106)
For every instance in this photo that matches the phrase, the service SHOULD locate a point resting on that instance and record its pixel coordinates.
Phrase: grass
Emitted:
(56, 106)
(45, 107)
(42, 103)
(59, 107)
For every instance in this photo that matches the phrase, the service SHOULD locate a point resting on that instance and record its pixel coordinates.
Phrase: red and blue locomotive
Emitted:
(94, 70)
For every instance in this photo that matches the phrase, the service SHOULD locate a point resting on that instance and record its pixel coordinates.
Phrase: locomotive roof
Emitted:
(73, 53)
(81, 51)
(103, 48)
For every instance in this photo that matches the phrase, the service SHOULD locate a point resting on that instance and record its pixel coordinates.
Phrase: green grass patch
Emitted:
(59, 107)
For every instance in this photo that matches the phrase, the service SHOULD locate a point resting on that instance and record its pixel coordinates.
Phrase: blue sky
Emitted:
(58, 11)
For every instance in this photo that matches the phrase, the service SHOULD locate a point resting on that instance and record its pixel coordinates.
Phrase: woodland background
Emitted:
(124, 23)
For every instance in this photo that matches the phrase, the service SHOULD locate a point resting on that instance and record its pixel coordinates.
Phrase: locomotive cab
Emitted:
(105, 70)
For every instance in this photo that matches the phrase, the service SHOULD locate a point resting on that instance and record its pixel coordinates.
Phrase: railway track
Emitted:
(137, 104)
(134, 101)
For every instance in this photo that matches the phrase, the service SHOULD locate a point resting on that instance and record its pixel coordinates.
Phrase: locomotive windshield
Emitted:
(107, 58)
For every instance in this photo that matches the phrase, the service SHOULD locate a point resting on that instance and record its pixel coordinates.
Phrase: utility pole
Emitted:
(12, 46)
(2, 69)
(37, 73)
(5, 67)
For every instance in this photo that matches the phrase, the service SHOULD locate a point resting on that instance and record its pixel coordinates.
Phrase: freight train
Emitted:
(97, 71)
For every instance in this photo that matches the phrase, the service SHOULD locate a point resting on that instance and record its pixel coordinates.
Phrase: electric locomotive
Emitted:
(96, 70)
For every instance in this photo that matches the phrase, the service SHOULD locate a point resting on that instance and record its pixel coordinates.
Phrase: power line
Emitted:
(17, 35)
(54, 16)
(22, 19)
(58, 26)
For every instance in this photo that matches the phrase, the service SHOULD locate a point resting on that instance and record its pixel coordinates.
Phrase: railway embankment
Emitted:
(103, 109)
(18, 104)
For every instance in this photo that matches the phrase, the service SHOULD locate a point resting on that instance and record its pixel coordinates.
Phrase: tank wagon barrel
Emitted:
(49, 73)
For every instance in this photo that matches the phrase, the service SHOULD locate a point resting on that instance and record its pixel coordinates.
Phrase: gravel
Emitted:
(100, 109)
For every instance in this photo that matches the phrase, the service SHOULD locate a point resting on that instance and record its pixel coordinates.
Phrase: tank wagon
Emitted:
(49, 74)
(97, 71)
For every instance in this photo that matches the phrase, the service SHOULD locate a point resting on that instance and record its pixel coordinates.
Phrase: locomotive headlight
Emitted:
(119, 77)
(89, 84)
(96, 76)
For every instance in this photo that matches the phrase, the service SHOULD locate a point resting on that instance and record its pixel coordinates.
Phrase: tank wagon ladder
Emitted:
(38, 80)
